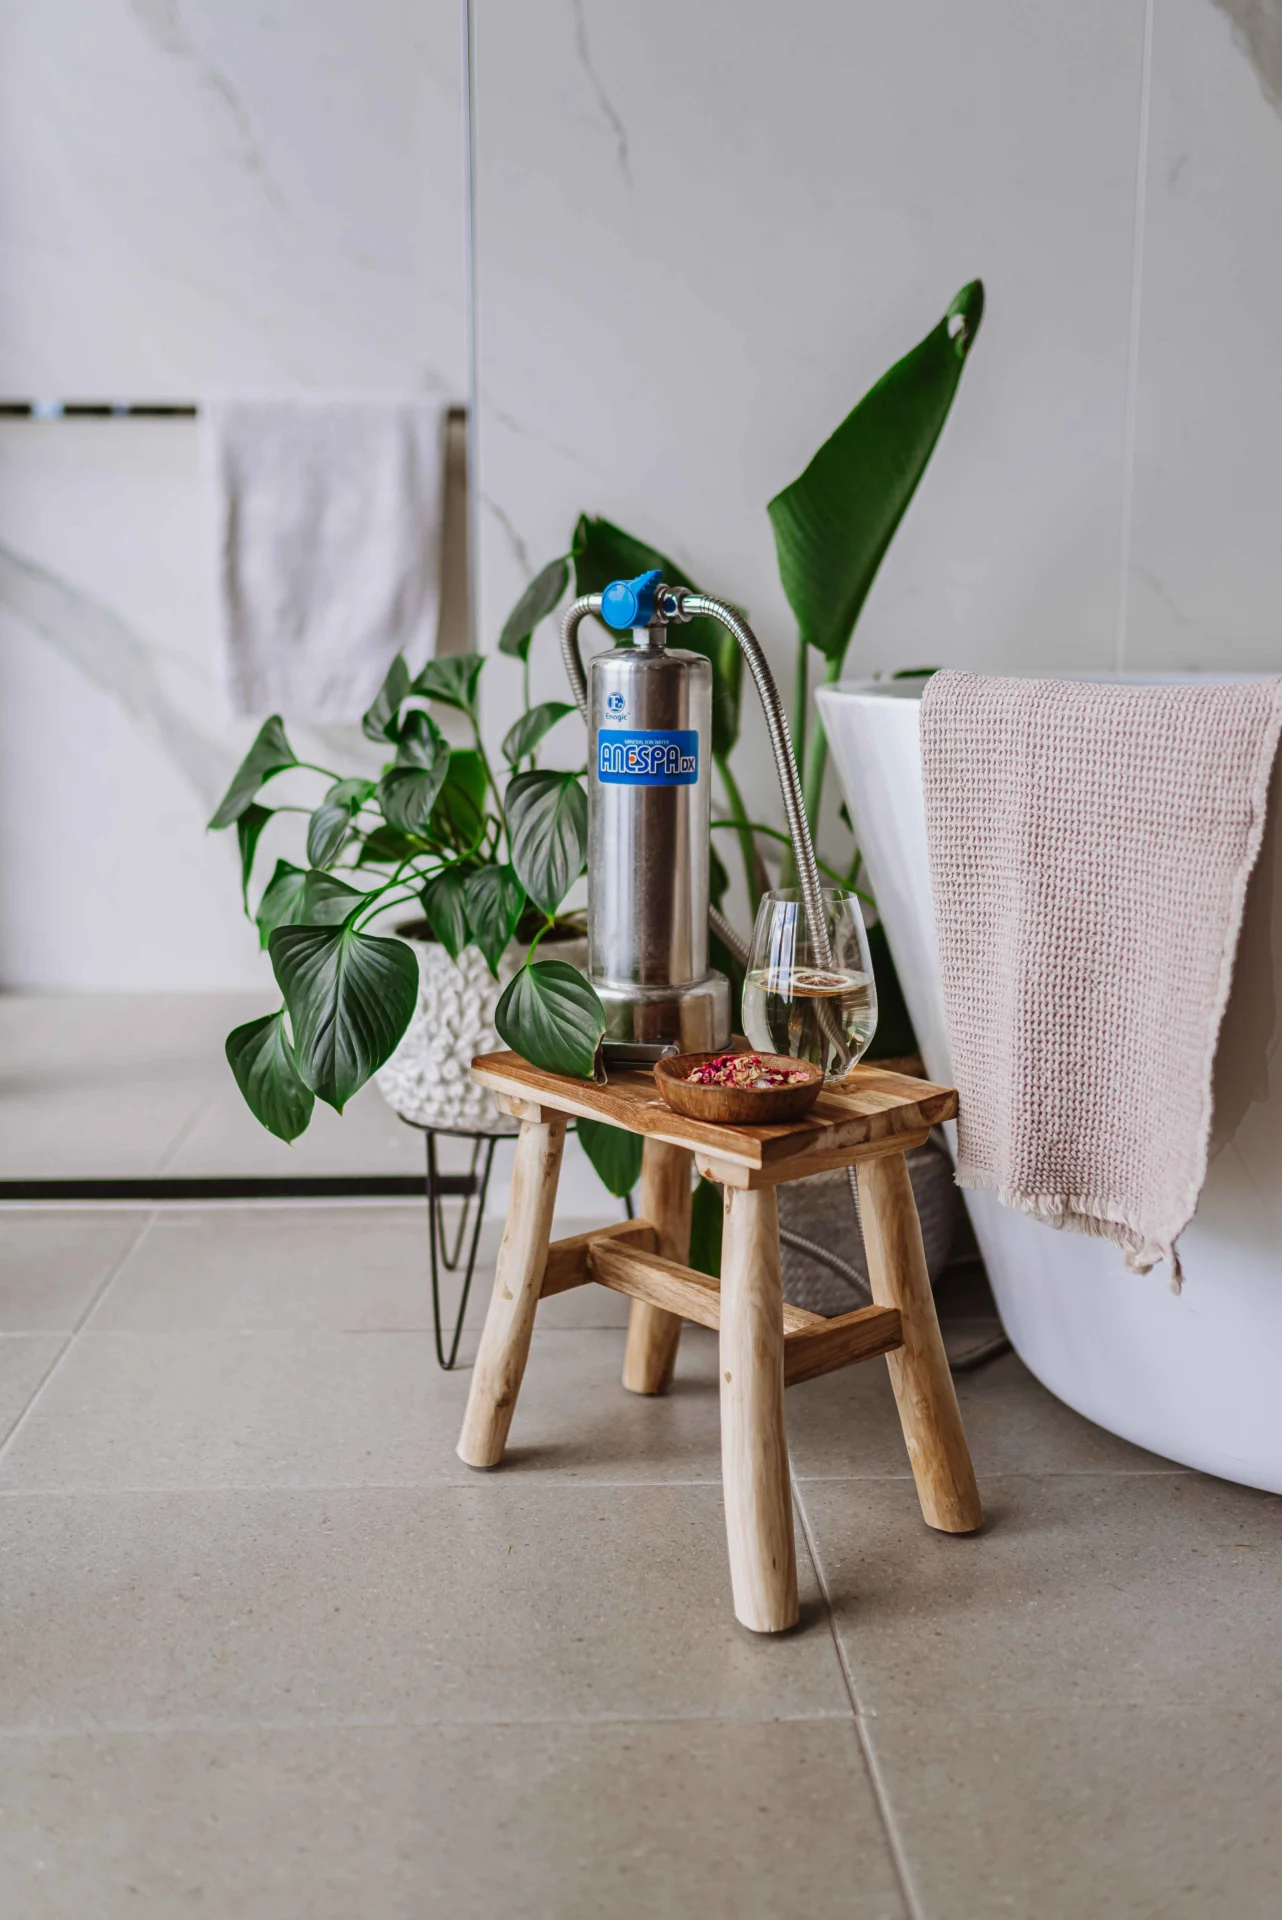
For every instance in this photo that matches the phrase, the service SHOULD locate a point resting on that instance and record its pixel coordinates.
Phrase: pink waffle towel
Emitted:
(1090, 847)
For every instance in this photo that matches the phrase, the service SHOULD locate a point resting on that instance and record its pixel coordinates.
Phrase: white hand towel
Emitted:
(328, 554)
(1090, 848)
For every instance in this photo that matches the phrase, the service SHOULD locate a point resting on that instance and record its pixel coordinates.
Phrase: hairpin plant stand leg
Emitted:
(440, 1253)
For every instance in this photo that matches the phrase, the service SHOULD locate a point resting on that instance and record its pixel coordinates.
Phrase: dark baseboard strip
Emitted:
(392, 1186)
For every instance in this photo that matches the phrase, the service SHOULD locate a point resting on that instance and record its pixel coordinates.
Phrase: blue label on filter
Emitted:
(647, 759)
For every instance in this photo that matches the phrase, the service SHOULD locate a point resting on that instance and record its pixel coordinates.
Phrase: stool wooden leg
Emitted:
(924, 1390)
(665, 1201)
(754, 1443)
(505, 1343)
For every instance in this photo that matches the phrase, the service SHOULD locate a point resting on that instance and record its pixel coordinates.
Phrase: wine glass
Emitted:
(793, 1003)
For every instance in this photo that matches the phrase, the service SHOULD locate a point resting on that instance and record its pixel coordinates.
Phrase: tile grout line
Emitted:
(185, 1132)
(126, 1253)
(885, 1811)
(1130, 404)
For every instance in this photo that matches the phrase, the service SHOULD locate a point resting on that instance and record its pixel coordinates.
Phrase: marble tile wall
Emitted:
(193, 194)
(703, 230)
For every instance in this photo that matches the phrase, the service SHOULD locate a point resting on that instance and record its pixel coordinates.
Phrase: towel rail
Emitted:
(118, 410)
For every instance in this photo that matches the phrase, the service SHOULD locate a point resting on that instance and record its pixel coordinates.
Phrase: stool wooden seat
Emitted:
(766, 1345)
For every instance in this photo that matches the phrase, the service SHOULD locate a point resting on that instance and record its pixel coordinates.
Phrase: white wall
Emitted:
(193, 194)
(705, 226)
(705, 229)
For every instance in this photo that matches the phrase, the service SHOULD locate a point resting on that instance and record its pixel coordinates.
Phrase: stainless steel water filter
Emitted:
(649, 712)
(649, 811)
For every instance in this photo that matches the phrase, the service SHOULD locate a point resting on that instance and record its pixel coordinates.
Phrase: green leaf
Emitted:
(832, 526)
(249, 826)
(894, 1037)
(446, 914)
(407, 796)
(327, 831)
(385, 847)
(603, 552)
(262, 1060)
(282, 901)
(707, 1219)
(614, 1153)
(452, 680)
(718, 878)
(549, 1014)
(350, 997)
(460, 811)
(524, 737)
(494, 898)
(379, 721)
(326, 901)
(270, 754)
(421, 743)
(547, 819)
(536, 603)
(351, 794)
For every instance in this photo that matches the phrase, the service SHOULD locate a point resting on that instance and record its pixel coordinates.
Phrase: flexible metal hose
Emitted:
(575, 616)
(689, 606)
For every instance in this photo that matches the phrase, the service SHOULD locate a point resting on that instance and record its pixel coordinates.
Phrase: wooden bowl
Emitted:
(736, 1106)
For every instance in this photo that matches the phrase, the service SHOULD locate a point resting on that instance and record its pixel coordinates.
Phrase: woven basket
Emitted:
(820, 1209)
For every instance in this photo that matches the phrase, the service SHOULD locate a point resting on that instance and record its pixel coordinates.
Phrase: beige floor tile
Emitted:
(25, 1359)
(1110, 1589)
(367, 1138)
(325, 1408)
(502, 1600)
(95, 1123)
(53, 1261)
(533, 1823)
(846, 1424)
(1119, 1813)
(340, 1265)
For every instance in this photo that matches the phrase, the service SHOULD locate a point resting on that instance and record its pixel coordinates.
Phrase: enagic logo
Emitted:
(649, 759)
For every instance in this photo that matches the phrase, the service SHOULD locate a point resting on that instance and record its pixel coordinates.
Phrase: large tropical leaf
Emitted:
(446, 914)
(262, 1060)
(603, 552)
(350, 997)
(282, 901)
(271, 753)
(493, 897)
(459, 814)
(249, 827)
(385, 847)
(326, 901)
(536, 603)
(707, 1220)
(547, 820)
(452, 680)
(421, 743)
(550, 1015)
(378, 723)
(615, 1154)
(407, 796)
(832, 526)
(327, 832)
(524, 737)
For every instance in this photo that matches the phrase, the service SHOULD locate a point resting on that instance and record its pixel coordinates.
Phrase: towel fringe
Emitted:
(1085, 1214)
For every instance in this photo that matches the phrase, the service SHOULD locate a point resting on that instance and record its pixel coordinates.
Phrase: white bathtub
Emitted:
(1196, 1376)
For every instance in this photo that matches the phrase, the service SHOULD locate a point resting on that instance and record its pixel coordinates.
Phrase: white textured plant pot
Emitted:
(427, 1080)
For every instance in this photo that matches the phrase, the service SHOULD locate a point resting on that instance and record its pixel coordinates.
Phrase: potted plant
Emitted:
(492, 957)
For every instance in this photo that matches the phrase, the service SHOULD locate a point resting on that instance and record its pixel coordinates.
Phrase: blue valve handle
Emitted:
(630, 603)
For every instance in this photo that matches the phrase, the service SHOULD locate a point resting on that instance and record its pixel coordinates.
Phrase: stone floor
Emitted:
(272, 1653)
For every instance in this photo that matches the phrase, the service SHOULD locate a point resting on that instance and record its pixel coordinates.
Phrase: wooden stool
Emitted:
(765, 1344)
